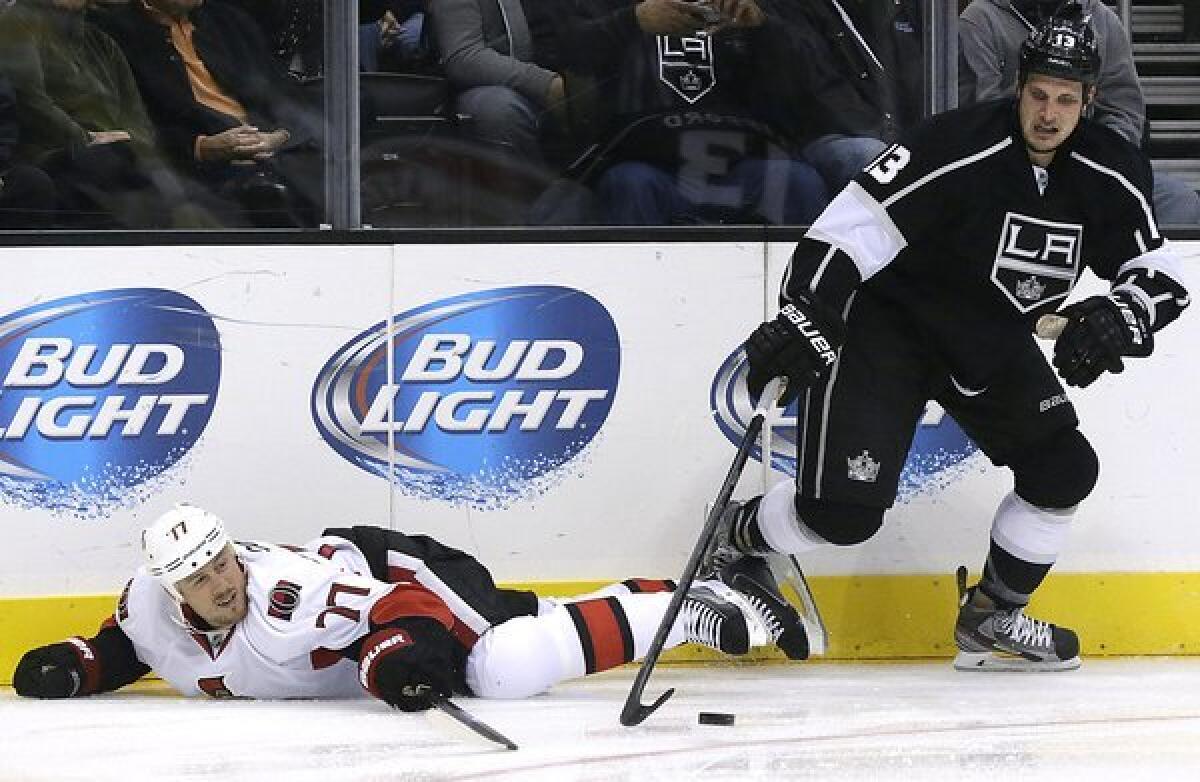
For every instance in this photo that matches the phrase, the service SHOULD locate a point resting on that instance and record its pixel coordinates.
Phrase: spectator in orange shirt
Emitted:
(224, 108)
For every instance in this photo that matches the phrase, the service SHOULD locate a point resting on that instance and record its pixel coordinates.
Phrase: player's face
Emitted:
(217, 591)
(1050, 109)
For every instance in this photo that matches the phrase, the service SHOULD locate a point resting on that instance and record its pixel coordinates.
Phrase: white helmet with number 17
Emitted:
(180, 542)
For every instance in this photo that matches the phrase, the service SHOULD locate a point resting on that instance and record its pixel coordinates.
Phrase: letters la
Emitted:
(1037, 261)
(685, 64)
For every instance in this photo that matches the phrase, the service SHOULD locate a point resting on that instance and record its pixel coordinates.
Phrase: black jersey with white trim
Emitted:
(950, 226)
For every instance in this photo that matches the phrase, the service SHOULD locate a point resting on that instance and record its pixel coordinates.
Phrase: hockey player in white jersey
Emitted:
(922, 280)
(368, 610)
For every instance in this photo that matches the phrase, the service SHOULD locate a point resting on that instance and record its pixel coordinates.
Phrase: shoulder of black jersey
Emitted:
(960, 133)
(1103, 146)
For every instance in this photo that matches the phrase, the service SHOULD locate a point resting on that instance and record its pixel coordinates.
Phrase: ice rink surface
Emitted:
(1112, 719)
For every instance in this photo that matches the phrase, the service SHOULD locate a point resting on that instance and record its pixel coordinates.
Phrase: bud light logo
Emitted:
(487, 397)
(101, 393)
(937, 456)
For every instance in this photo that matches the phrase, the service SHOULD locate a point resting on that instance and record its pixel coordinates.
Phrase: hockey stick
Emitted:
(635, 712)
(462, 718)
(786, 565)
(1050, 326)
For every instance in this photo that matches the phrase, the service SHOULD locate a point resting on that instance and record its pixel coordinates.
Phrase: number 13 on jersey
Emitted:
(889, 163)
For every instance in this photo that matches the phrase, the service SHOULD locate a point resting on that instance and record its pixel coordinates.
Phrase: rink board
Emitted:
(569, 414)
(869, 617)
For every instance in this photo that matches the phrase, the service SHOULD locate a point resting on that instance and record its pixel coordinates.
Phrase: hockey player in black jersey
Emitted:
(923, 280)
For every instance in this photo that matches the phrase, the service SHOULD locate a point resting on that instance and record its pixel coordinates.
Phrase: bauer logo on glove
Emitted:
(801, 344)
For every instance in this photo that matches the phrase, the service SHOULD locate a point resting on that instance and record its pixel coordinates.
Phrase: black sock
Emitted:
(1010, 581)
(746, 534)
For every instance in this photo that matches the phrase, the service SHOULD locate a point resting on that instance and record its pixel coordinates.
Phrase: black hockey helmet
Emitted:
(1064, 46)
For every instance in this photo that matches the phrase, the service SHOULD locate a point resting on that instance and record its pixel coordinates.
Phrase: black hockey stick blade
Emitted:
(471, 722)
(634, 711)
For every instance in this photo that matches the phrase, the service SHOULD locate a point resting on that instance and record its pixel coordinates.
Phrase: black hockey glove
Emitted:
(1099, 331)
(801, 344)
(411, 661)
(53, 671)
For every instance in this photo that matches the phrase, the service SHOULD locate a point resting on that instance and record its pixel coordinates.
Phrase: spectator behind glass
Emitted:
(224, 108)
(680, 106)
(864, 63)
(83, 123)
(391, 36)
(990, 35)
(293, 32)
(26, 193)
(487, 54)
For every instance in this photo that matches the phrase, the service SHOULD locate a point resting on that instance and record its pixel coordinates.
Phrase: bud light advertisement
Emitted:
(937, 457)
(102, 392)
(488, 398)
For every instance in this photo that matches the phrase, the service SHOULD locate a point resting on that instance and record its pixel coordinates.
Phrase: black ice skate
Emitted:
(996, 639)
(801, 631)
(751, 576)
(718, 617)
(726, 546)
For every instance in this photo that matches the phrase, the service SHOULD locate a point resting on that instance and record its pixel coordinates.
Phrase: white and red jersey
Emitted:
(305, 606)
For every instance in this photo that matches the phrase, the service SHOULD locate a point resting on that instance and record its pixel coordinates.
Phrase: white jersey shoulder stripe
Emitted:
(1137, 194)
(946, 169)
(856, 224)
(1163, 260)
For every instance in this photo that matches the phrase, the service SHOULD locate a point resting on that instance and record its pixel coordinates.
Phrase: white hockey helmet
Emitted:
(180, 542)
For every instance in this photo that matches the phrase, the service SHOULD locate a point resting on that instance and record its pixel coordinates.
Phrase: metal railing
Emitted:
(941, 56)
(1125, 11)
(343, 201)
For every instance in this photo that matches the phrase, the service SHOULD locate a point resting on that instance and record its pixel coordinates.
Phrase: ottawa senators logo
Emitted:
(214, 687)
(285, 596)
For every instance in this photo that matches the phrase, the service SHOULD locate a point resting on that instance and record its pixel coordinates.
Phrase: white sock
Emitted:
(1031, 533)
(780, 525)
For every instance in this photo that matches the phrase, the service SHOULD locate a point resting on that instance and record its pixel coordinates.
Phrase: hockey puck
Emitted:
(715, 718)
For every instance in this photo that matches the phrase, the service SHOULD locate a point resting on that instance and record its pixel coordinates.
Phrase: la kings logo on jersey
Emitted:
(1037, 261)
(685, 64)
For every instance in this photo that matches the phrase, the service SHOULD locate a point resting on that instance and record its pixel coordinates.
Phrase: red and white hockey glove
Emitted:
(411, 661)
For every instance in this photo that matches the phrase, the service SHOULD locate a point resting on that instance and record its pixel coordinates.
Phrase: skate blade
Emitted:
(1000, 663)
(794, 589)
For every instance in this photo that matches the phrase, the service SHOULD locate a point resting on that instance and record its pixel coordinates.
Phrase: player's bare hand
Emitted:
(669, 17)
